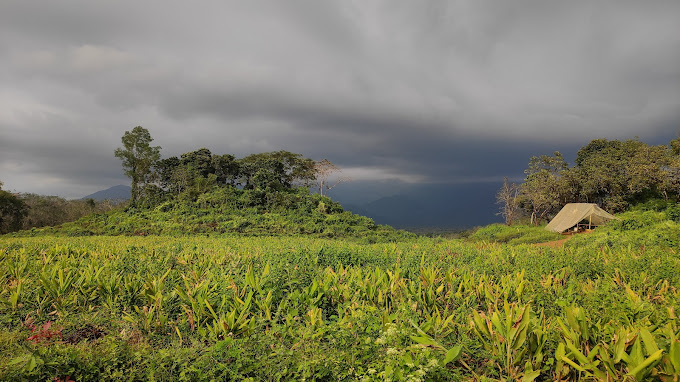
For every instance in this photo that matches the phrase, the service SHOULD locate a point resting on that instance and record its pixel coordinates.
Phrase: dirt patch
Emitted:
(559, 243)
(86, 333)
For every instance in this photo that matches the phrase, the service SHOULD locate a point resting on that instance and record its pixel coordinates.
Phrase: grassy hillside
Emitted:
(638, 228)
(230, 211)
(652, 224)
(516, 234)
(603, 307)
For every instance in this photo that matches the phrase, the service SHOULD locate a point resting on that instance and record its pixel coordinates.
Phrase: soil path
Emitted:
(559, 243)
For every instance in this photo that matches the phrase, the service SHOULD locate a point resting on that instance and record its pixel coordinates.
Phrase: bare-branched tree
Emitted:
(508, 199)
(325, 180)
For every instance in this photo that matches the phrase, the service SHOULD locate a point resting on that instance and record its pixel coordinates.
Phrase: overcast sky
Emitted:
(395, 91)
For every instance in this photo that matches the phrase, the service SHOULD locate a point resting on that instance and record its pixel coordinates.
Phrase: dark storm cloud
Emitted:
(438, 92)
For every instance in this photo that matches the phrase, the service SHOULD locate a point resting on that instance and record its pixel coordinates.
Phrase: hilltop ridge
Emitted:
(233, 211)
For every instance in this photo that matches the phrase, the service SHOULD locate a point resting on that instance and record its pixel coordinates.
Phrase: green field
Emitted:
(301, 308)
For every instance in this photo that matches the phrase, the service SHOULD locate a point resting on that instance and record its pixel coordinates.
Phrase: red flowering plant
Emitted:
(42, 334)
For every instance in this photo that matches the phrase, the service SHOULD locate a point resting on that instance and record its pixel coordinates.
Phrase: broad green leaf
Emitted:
(531, 375)
(496, 321)
(480, 323)
(620, 345)
(573, 364)
(674, 355)
(424, 341)
(648, 341)
(408, 360)
(453, 354)
(577, 353)
(639, 370)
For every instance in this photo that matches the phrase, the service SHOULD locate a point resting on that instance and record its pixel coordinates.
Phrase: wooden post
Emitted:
(590, 220)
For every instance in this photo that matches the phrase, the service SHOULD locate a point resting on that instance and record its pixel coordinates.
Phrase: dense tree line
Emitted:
(154, 180)
(194, 173)
(611, 173)
(44, 211)
(266, 171)
(12, 211)
(26, 211)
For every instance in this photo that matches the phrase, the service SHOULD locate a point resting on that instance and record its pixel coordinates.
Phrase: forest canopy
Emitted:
(23, 211)
(155, 180)
(611, 173)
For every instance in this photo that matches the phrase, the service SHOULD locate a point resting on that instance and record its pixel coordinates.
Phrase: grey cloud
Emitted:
(442, 91)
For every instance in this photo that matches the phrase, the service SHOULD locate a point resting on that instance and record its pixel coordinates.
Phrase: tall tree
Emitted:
(199, 161)
(615, 173)
(279, 169)
(167, 172)
(139, 158)
(543, 187)
(226, 169)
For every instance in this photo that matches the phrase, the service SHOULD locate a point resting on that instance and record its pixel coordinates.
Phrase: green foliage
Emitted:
(635, 228)
(673, 213)
(232, 211)
(617, 172)
(516, 234)
(291, 308)
(270, 282)
(27, 211)
(12, 212)
(139, 159)
(543, 189)
(275, 170)
(614, 174)
(52, 210)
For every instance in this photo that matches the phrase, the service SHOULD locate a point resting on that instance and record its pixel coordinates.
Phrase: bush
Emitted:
(673, 213)
(636, 220)
(516, 234)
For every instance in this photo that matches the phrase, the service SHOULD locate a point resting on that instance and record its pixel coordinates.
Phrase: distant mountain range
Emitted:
(434, 206)
(119, 192)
